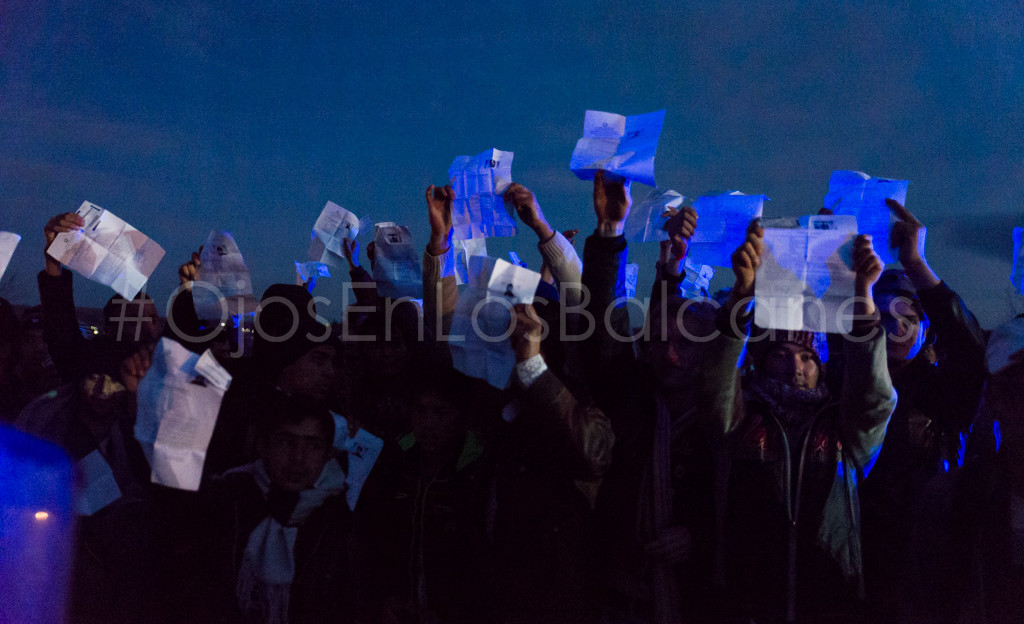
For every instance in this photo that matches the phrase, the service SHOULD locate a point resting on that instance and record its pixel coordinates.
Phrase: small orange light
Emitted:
(42, 515)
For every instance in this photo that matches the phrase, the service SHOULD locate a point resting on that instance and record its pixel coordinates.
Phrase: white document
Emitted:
(227, 287)
(622, 146)
(8, 242)
(464, 250)
(645, 223)
(332, 228)
(632, 275)
(108, 250)
(804, 281)
(178, 402)
(396, 268)
(98, 488)
(363, 449)
(479, 182)
(697, 281)
(722, 222)
(858, 194)
(483, 316)
(1017, 274)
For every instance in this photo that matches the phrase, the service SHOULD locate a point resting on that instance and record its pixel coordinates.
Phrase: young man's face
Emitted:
(792, 364)
(295, 454)
(905, 332)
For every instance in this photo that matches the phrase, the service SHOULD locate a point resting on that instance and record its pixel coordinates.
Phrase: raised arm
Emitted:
(60, 322)
(556, 250)
(582, 433)
(440, 291)
(719, 396)
(868, 398)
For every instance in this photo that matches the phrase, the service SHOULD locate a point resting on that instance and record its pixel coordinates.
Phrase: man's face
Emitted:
(792, 364)
(312, 375)
(904, 331)
(295, 454)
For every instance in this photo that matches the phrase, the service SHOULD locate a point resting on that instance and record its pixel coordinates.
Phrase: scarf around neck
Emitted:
(268, 564)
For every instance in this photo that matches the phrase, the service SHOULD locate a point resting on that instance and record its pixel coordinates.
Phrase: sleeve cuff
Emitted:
(529, 370)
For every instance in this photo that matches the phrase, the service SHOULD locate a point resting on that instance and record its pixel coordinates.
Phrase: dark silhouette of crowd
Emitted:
(696, 469)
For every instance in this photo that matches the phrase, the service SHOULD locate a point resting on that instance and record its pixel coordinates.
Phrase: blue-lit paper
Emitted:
(858, 194)
(722, 222)
(645, 221)
(479, 182)
(622, 146)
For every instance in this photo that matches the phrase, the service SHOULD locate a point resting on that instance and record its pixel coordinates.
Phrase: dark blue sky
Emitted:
(187, 116)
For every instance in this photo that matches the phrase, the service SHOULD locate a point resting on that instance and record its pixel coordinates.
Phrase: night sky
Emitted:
(182, 117)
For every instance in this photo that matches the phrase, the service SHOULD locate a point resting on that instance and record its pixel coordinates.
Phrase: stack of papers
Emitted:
(804, 281)
(178, 402)
(857, 194)
(480, 327)
(722, 222)
(645, 223)
(479, 182)
(622, 146)
(108, 250)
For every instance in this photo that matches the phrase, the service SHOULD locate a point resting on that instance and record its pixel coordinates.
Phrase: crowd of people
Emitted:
(697, 469)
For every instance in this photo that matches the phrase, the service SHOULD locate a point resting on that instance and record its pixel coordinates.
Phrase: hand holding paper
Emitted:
(67, 222)
(526, 206)
(746, 259)
(612, 202)
(868, 266)
(526, 332)
(908, 236)
(622, 146)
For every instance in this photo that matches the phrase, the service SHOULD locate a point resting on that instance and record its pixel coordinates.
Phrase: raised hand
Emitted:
(907, 236)
(611, 204)
(67, 222)
(525, 203)
(189, 272)
(868, 266)
(570, 235)
(439, 212)
(680, 227)
(746, 259)
(350, 248)
(527, 332)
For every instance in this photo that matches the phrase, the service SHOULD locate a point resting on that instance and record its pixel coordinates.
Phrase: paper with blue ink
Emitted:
(858, 194)
(622, 146)
(645, 222)
(805, 280)
(722, 222)
(478, 209)
(697, 281)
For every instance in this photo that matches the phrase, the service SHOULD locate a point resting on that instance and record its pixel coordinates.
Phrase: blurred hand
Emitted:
(351, 250)
(570, 235)
(746, 259)
(680, 227)
(611, 204)
(527, 333)
(189, 272)
(439, 212)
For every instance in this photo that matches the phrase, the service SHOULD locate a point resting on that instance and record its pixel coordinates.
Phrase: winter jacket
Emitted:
(790, 510)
